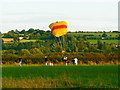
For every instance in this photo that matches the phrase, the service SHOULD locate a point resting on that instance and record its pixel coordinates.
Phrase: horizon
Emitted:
(80, 15)
(67, 31)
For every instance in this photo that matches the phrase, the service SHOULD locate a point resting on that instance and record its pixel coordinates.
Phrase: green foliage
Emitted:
(9, 58)
(43, 42)
(22, 32)
(36, 56)
(104, 35)
(99, 43)
(24, 52)
(36, 51)
(30, 30)
(106, 41)
(16, 38)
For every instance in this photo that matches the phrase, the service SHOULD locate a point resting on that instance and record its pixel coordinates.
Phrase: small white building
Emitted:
(103, 37)
(20, 38)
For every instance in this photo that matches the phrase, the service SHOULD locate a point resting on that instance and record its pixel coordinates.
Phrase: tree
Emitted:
(16, 38)
(2, 41)
(24, 52)
(11, 51)
(37, 36)
(26, 34)
(11, 32)
(76, 48)
(88, 44)
(30, 30)
(99, 43)
(104, 35)
(35, 51)
(22, 32)
(16, 31)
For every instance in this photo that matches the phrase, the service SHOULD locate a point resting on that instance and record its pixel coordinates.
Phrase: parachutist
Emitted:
(59, 29)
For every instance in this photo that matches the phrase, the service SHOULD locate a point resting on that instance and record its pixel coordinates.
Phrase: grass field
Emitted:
(82, 76)
(107, 41)
(92, 41)
(95, 34)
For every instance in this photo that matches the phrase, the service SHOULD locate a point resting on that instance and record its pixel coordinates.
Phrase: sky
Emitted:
(80, 15)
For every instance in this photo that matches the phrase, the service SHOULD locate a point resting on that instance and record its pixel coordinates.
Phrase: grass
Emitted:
(107, 41)
(82, 76)
(93, 33)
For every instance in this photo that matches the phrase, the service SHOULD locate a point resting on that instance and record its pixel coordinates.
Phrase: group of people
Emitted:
(75, 61)
(46, 60)
(65, 59)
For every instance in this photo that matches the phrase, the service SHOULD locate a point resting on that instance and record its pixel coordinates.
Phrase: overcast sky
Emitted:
(81, 15)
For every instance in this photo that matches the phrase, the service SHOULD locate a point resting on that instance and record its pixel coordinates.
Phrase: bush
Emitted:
(56, 57)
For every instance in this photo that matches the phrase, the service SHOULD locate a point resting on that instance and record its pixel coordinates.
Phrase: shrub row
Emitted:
(57, 58)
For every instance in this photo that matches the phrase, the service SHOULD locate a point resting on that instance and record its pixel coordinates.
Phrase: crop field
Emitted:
(32, 40)
(7, 40)
(60, 76)
(27, 40)
(107, 41)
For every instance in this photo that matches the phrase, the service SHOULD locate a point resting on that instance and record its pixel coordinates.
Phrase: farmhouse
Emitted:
(6, 40)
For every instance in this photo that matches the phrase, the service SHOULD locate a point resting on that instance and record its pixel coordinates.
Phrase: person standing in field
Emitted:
(50, 63)
(46, 60)
(20, 60)
(66, 60)
(75, 61)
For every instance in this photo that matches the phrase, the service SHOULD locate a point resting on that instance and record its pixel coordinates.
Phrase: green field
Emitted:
(92, 41)
(95, 34)
(40, 76)
(107, 41)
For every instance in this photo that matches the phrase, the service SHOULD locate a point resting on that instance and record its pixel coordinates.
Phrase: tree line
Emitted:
(46, 44)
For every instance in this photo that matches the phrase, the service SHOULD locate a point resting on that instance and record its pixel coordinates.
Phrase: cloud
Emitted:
(80, 14)
(60, 0)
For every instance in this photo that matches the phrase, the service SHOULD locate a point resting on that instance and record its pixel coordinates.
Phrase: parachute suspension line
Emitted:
(63, 43)
(60, 44)
(56, 40)
(62, 26)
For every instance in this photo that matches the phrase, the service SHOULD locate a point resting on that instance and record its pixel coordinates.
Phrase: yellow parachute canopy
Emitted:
(58, 28)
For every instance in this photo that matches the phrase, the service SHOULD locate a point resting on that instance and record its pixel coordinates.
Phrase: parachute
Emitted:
(58, 28)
